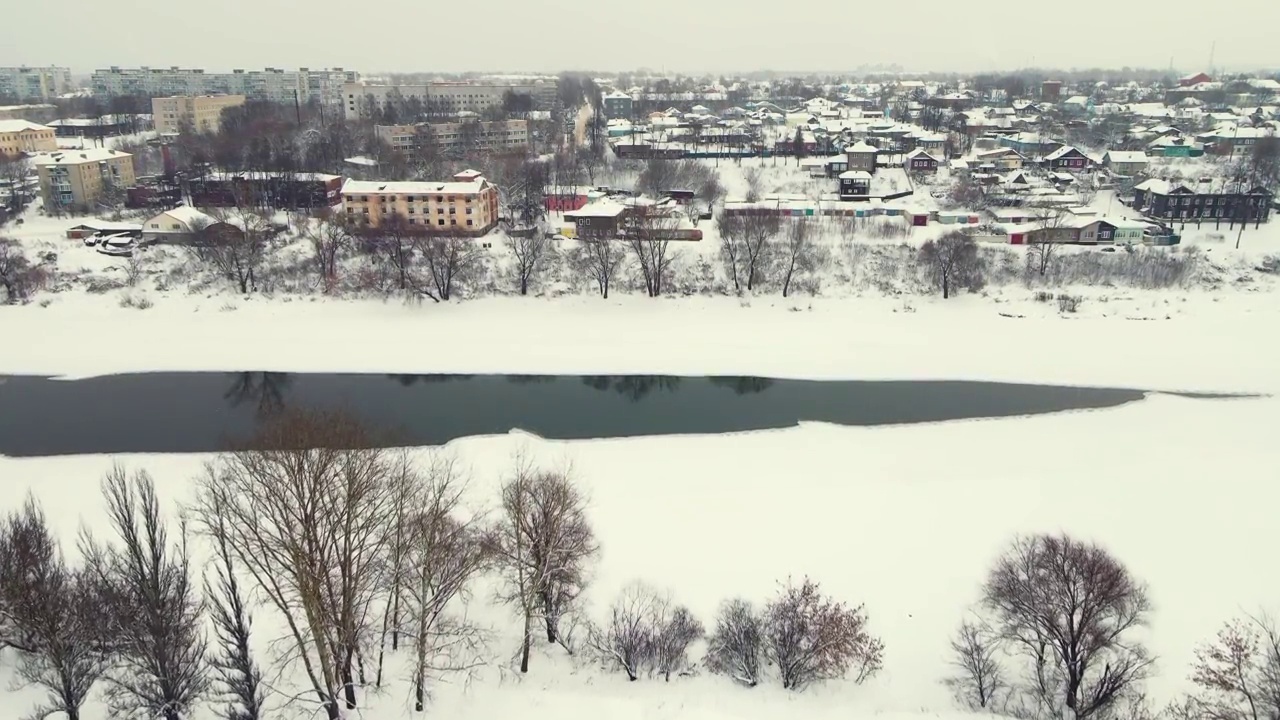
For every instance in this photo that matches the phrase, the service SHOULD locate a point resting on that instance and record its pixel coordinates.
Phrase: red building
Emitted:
(1195, 79)
(565, 199)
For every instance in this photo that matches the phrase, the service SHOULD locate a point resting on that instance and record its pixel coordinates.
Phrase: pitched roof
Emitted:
(8, 126)
(920, 152)
(861, 147)
(855, 175)
(1060, 152)
(1126, 156)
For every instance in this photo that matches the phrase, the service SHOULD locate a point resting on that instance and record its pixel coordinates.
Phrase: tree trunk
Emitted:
(348, 684)
(946, 287)
(73, 713)
(524, 643)
(419, 693)
(331, 709)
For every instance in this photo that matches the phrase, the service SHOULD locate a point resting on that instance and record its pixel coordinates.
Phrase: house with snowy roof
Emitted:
(1066, 158)
(1125, 162)
(921, 161)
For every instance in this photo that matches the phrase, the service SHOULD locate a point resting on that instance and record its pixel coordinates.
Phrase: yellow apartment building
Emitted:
(77, 179)
(19, 137)
(466, 205)
(202, 113)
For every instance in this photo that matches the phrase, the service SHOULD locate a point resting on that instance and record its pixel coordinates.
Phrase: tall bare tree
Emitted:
(237, 673)
(746, 246)
(451, 260)
(1072, 611)
(531, 253)
(330, 235)
(650, 241)
(1238, 672)
(811, 638)
(543, 544)
(736, 645)
(307, 504)
(160, 665)
(801, 253)
(15, 271)
(52, 613)
(445, 552)
(396, 243)
(952, 262)
(1043, 245)
(236, 244)
(600, 258)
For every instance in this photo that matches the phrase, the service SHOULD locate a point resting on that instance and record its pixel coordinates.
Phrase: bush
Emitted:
(1043, 296)
(1069, 303)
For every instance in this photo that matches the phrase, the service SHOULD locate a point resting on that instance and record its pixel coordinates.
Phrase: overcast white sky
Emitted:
(678, 35)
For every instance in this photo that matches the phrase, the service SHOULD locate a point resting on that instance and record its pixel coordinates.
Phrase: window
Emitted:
(452, 221)
(155, 226)
(441, 221)
(412, 221)
(468, 211)
(468, 223)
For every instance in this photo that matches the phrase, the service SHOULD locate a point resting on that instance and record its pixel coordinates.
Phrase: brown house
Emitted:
(921, 161)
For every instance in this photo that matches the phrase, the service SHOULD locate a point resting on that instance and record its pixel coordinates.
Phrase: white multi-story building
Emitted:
(34, 83)
(442, 98)
(274, 84)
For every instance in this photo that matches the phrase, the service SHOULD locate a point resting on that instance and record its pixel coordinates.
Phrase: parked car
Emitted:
(117, 246)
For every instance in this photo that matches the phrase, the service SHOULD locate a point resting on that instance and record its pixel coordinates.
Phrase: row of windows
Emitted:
(410, 198)
(453, 222)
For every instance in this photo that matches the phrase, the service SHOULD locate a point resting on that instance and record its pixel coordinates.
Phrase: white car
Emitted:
(117, 245)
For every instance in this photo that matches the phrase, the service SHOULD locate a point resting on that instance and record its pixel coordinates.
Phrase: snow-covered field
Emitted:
(905, 519)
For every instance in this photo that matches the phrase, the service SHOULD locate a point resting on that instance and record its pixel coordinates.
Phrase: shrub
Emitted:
(1043, 296)
(1069, 303)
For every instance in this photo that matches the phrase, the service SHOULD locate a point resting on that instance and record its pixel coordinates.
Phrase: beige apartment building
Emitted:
(201, 113)
(19, 136)
(459, 137)
(77, 179)
(467, 205)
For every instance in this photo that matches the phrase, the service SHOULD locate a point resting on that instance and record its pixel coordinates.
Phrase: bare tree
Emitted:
(237, 672)
(600, 258)
(801, 254)
(952, 262)
(51, 613)
(650, 240)
(27, 550)
(70, 656)
(444, 553)
(746, 246)
(676, 629)
(1072, 611)
(628, 638)
(15, 271)
(531, 253)
(307, 504)
(737, 643)
(1043, 244)
(1238, 672)
(330, 234)
(754, 178)
(978, 680)
(236, 244)
(14, 170)
(450, 260)
(160, 668)
(812, 638)
(543, 543)
(393, 241)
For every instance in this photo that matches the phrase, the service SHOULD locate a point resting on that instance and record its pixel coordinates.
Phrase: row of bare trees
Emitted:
(763, 248)
(804, 635)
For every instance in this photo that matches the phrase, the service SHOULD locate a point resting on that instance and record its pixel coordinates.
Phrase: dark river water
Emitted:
(199, 412)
